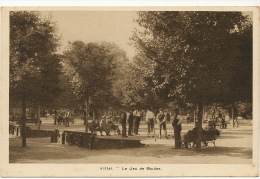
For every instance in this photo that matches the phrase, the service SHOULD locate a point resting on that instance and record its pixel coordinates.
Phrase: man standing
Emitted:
(55, 116)
(176, 124)
(137, 118)
(150, 119)
(60, 116)
(168, 116)
(188, 119)
(130, 123)
(162, 123)
(124, 124)
(67, 118)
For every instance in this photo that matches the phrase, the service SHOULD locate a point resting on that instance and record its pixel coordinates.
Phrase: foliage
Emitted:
(93, 68)
(194, 53)
(244, 109)
(34, 66)
(243, 80)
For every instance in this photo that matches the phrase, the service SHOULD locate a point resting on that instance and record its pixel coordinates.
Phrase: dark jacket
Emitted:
(130, 118)
(160, 117)
(123, 120)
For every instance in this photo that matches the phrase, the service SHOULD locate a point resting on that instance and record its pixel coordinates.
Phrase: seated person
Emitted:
(191, 136)
(113, 126)
(99, 125)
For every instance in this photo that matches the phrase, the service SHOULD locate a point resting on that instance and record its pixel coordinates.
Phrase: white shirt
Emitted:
(179, 117)
(127, 115)
(149, 115)
(67, 114)
(137, 113)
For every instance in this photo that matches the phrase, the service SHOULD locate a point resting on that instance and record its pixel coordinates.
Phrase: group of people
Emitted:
(62, 116)
(162, 118)
(133, 119)
(105, 124)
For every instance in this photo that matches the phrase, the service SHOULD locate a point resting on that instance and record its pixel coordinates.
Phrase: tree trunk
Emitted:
(194, 116)
(23, 120)
(86, 117)
(232, 114)
(38, 117)
(199, 125)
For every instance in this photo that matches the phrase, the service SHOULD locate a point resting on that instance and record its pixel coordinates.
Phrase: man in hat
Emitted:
(67, 118)
(150, 119)
(130, 120)
(162, 117)
(137, 119)
(123, 122)
(176, 124)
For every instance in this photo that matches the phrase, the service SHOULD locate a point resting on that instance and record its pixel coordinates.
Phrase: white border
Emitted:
(48, 170)
(129, 2)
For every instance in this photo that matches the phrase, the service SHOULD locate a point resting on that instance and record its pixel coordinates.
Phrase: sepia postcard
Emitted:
(130, 91)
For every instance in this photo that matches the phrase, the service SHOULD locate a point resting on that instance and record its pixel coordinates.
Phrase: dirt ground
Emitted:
(234, 146)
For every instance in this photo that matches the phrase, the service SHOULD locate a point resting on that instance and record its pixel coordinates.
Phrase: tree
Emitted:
(194, 53)
(243, 80)
(34, 66)
(135, 89)
(92, 66)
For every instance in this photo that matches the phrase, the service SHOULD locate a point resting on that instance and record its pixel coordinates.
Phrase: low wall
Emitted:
(80, 139)
(109, 143)
(74, 138)
(16, 130)
(38, 133)
(91, 141)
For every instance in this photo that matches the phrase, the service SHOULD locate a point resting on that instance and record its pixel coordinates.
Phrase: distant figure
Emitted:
(220, 115)
(223, 122)
(95, 126)
(188, 119)
(46, 114)
(130, 121)
(150, 119)
(168, 116)
(84, 116)
(63, 111)
(104, 126)
(60, 116)
(67, 118)
(176, 124)
(162, 117)
(235, 122)
(123, 122)
(55, 116)
(137, 118)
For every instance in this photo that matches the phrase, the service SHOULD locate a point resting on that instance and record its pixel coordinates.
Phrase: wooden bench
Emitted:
(208, 136)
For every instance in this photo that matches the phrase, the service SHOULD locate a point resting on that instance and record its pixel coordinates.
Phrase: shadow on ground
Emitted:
(41, 149)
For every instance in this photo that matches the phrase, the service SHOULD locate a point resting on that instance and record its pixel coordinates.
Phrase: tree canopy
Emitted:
(195, 53)
(93, 69)
(34, 66)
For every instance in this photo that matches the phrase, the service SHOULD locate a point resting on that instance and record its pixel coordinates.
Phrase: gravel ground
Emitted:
(234, 146)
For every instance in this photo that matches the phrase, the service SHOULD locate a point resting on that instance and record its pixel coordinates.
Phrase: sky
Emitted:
(96, 26)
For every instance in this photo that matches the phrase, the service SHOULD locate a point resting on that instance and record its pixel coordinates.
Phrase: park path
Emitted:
(234, 146)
